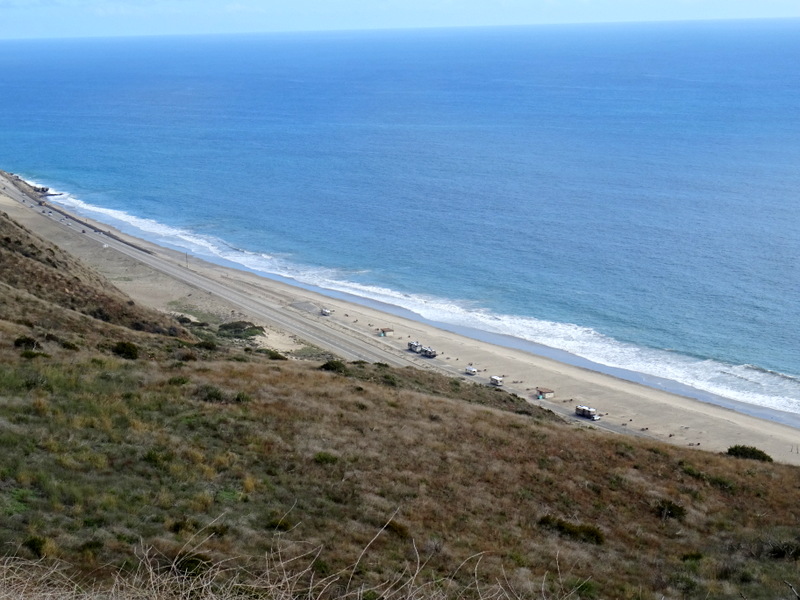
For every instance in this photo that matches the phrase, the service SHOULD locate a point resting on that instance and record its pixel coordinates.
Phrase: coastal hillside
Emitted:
(167, 458)
(43, 284)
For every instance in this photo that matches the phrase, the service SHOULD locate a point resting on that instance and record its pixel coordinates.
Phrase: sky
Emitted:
(102, 18)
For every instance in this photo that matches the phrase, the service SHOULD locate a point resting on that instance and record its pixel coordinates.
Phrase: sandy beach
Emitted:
(172, 281)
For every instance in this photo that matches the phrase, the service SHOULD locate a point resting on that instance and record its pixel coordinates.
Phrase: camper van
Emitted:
(587, 412)
(496, 380)
(471, 371)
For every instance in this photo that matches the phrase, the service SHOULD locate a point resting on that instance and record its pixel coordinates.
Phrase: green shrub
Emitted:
(692, 556)
(335, 366)
(667, 509)
(272, 354)
(398, 529)
(241, 397)
(240, 329)
(191, 564)
(206, 345)
(127, 350)
(28, 343)
(39, 546)
(723, 483)
(580, 532)
(740, 451)
(280, 524)
(785, 550)
(325, 458)
(210, 393)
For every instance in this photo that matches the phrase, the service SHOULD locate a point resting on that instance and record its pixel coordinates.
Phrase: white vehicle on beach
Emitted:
(587, 412)
(496, 380)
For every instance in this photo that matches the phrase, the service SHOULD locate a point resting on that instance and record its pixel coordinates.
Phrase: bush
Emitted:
(39, 546)
(582, 533)
(325, 458)
(206, 345)
(740, 451)
(667, 509)
(398, 529)
(272, 354)
(241, 397)
(127, 350)
(240, 329)
(336, 366)
(210, 393)
(25, 342)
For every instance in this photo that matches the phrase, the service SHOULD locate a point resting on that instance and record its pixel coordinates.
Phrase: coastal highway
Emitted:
(345, 344)
(283, 317)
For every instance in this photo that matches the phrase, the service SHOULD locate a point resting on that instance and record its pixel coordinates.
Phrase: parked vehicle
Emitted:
(587, 412)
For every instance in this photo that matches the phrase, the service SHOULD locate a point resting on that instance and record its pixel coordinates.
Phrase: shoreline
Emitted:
(650, 366)
(167, 279)
(480, 335)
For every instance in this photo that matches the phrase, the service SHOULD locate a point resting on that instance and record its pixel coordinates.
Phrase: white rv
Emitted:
(587, 412)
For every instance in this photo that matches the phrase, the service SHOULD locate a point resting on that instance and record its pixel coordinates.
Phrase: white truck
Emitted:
(587, 412)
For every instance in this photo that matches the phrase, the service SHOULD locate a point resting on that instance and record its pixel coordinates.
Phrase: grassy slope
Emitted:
(101, 455)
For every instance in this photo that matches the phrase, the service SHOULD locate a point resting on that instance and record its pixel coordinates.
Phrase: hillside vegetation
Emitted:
(161, 459)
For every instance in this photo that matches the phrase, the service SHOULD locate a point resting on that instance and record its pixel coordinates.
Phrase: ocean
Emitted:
(619, 196)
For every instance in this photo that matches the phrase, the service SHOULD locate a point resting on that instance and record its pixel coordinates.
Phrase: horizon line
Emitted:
(396, 29)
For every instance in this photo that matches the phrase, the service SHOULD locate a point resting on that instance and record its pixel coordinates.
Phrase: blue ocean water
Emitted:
(627, 193)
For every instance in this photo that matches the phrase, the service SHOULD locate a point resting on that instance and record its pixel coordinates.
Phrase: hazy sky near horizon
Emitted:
(82, 18)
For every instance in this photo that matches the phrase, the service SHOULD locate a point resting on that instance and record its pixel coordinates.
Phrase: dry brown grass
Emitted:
(327, 459)
(287, 572)
(102, 455)
(41, 283)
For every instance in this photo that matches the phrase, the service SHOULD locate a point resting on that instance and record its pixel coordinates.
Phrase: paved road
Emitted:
(345, 344)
